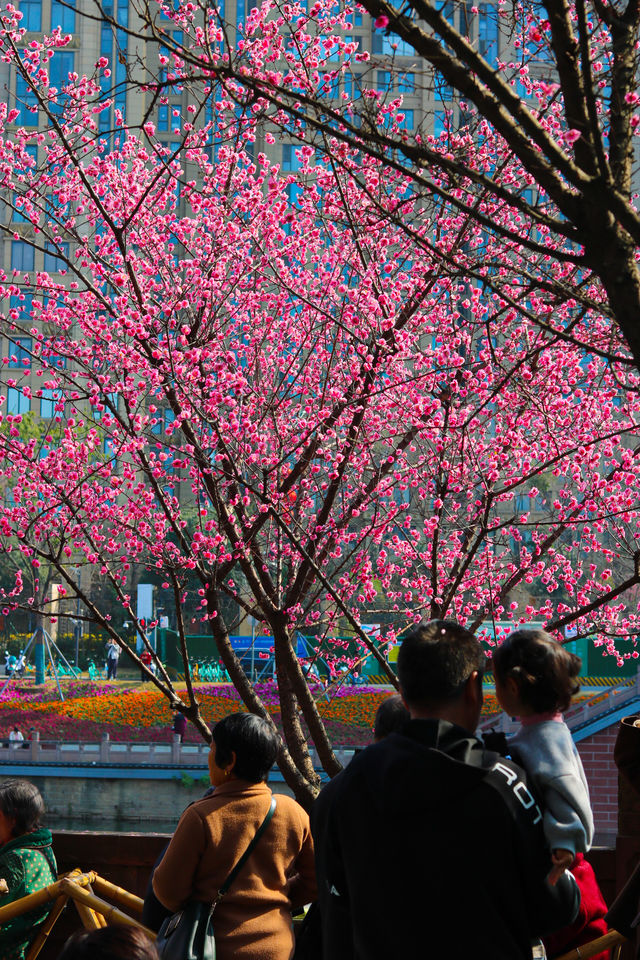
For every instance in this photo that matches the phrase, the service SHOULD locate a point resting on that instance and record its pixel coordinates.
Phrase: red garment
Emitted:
(590, 923)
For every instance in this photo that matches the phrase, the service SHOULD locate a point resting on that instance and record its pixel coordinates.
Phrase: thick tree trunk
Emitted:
(611, 254)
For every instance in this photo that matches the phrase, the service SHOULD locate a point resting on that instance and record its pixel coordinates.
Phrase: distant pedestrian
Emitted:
(391, 717)
(16, 737)
(179, 724)
(21, 665)
(147, 659)
(113, 653)
(31, 736)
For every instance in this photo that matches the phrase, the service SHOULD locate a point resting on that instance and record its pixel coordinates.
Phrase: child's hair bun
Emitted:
(545, 671)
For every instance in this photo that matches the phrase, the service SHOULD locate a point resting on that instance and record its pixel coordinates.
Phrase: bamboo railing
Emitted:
(591, 949)
(94, 911)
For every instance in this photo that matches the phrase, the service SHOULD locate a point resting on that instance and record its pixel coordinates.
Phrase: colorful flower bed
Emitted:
(141, 713)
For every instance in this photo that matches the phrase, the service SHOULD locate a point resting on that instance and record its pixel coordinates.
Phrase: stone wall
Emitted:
(110, 797)
(108, 800)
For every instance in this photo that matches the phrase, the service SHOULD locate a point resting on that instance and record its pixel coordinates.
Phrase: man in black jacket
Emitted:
(428, 845)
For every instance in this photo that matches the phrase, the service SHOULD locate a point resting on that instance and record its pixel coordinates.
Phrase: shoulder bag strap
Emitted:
(224, 889)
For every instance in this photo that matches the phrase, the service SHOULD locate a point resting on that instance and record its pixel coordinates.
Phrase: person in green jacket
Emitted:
(27, 863)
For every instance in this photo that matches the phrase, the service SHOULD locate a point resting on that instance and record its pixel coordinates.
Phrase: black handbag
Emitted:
(309, 935)
(188, 934)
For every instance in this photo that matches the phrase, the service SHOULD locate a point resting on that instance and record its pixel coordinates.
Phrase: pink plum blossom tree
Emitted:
(323, 394)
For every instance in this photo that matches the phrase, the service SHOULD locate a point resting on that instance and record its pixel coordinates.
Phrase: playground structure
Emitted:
(43, 646)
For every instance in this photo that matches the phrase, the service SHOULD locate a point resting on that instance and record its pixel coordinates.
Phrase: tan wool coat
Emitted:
(253, 921)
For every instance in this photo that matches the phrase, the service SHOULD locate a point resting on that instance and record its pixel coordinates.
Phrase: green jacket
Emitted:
(27, 864)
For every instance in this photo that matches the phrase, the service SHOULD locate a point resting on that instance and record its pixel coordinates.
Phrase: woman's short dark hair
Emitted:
(21, 801)
(391, 717)
(115, 942)
(254, 742)
(546, 672)
(435, 661)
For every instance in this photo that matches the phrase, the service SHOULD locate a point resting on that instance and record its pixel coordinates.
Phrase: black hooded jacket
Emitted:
(430, 846)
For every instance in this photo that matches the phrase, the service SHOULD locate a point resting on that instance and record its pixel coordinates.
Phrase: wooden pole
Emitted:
(590, 949)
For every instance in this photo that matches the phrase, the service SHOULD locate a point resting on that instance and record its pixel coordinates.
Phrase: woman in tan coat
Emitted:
(253, 921)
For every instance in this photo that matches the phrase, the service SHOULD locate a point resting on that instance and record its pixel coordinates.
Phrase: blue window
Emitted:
(407, 83)
(17, 403)
(20, 352)
(353, 85)
(440, 124)
(442, 89)
(63, 15)
(383, 80)
(243, 9)
(50, 400)
(62, 64)
(390, 45)
(163, 117)
(31, 11)
(51, 357)
(353, 89)
(113, 43)
(407, 122)
(26, 103)
(23, 167)
(17, 216)
(169, 417)
(290, 159)
(447, 9)
(169, 468)
(22, 302)
(167, 3)
(53, 263)
(291, 162)
(488, 33)
(21, 255)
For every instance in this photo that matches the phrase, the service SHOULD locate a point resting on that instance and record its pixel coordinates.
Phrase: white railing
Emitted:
(105, 751)
(118, 752)
(342, 756)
